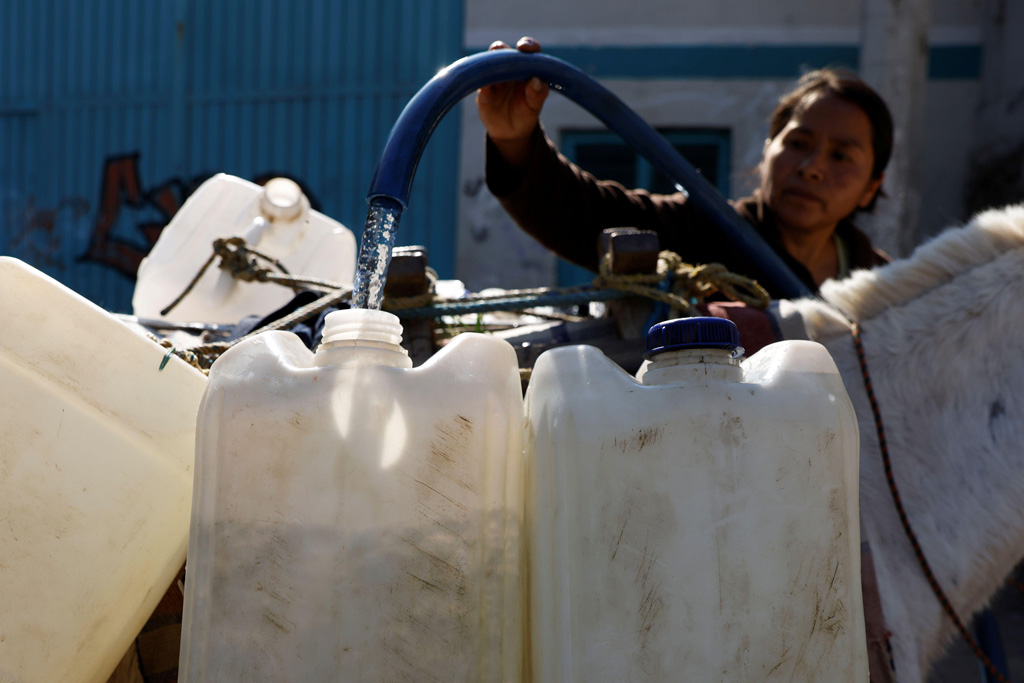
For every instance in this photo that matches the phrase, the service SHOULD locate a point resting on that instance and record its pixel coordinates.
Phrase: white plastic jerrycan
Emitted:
(96, 453)
(700, 524)
(355, 518)
(274, 219)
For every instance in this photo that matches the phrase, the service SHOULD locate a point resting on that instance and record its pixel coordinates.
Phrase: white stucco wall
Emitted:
(660, 21)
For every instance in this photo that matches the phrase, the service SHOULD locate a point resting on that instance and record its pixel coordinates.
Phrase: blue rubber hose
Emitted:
(397, 163)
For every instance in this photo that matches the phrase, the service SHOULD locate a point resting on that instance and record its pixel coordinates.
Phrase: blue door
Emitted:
(605, 155)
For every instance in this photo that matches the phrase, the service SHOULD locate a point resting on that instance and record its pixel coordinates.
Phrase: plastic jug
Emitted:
(355, 518)
(95, 479)
(698, 524)
(274, 219)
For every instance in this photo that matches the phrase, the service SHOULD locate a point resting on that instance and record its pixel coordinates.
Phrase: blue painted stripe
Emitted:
(705, 61)
(954, 62)
(717, 62)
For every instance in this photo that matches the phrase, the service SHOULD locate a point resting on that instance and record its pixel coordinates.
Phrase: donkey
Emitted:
(943, 333)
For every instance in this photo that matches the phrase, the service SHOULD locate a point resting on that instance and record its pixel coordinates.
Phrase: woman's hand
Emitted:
(510, 111)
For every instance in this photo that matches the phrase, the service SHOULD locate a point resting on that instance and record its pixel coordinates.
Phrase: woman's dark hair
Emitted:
(848, 86)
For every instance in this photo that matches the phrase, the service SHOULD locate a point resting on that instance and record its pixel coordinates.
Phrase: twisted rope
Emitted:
(213, 351)
(676, 283)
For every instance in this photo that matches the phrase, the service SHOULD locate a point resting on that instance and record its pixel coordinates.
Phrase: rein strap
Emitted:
(887, 464)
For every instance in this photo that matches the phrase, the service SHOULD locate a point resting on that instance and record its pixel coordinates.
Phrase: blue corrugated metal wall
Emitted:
(112, 112)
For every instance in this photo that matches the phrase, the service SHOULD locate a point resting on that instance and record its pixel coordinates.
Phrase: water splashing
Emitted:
(375, 252)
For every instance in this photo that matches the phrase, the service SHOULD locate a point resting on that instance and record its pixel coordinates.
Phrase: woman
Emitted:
(829, 141)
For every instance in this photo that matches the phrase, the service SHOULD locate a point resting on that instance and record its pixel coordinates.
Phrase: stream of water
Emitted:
(375, 252)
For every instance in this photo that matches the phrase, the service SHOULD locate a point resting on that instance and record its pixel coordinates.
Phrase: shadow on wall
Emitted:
(997, 181)
(499, 253)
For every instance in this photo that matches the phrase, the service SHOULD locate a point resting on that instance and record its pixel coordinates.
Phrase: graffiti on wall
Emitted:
(117, 235)
(39, 235)
(121, 189)
(116, 231)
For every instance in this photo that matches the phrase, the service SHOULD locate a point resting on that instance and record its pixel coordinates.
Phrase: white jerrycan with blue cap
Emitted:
(355, 518)
(699, 523)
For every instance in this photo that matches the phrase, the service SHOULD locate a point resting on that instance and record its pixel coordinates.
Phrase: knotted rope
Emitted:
(688, 283)
(246, 264)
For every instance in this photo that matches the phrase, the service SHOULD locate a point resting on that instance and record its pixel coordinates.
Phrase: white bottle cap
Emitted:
(282, 200)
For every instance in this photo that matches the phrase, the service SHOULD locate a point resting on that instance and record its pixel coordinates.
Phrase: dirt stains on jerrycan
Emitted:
(697, 523)
(357, 518)
(96, 455)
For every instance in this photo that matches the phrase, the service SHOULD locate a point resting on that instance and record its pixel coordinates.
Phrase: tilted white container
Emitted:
(96, 447)
(274, 219)
(700, 524)
(355, 518)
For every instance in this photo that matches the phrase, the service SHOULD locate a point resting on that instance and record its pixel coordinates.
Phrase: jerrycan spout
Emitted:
(392, 178)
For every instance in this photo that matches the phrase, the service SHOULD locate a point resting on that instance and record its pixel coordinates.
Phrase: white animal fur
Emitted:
(944, 336)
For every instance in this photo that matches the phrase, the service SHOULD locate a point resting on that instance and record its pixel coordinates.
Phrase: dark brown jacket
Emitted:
(565, 209)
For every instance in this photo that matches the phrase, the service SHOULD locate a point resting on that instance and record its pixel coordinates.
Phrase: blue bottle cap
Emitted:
(693, 333)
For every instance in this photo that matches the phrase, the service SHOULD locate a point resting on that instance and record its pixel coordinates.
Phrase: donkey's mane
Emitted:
(866, 293)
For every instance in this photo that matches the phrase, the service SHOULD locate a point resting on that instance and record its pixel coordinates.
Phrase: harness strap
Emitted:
(905, 521)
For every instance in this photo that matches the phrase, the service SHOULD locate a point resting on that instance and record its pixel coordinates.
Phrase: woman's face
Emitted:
(817, 170)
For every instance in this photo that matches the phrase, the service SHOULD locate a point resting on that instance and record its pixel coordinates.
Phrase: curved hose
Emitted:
(397, 163)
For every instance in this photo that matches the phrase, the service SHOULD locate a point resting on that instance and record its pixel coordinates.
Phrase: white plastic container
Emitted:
(700, 524)
(274, 219)
(95, 479)
(355, 518)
